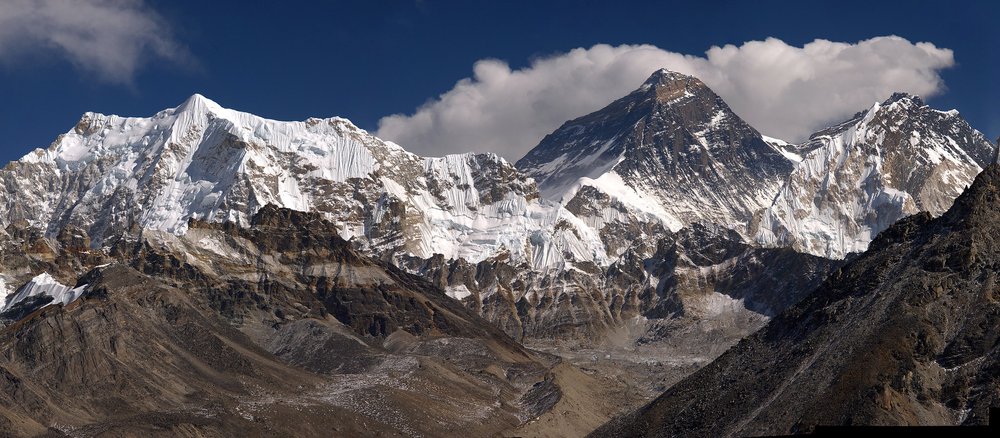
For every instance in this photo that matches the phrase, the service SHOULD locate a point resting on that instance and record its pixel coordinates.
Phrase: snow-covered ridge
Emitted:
(111, 175)
(43, 284)
(897, 158)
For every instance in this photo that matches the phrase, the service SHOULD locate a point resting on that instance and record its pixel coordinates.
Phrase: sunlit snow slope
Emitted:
(113, 174)
(897, 158)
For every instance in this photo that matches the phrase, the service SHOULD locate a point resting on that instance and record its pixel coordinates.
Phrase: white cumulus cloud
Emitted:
(110, 38)
(784, 91)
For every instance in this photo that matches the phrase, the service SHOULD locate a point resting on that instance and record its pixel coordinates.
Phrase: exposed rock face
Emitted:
(905, 334)
(281, 327)
(698, 266)
(672, 148)
(698, 273)
(895, 159)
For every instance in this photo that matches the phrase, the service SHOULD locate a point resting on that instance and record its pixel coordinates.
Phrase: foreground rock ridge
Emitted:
(903, 335)
(206, 271)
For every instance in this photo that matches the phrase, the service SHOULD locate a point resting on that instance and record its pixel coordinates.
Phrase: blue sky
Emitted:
(366, 60)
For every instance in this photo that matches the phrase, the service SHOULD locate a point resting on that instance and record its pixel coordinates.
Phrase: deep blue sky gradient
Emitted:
(366, 59)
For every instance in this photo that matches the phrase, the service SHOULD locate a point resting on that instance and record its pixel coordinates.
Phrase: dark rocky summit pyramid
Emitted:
(675, 142)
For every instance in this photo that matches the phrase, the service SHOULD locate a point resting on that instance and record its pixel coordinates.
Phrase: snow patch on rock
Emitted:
(43, 284)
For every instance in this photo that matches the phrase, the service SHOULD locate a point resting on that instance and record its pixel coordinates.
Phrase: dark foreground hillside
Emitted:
(277, 330)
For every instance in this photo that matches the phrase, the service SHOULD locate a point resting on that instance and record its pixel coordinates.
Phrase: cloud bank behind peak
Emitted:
(784, 91)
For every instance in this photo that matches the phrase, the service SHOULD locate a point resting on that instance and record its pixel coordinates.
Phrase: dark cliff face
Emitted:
(698, 259)
(905, 334)
(281, 328)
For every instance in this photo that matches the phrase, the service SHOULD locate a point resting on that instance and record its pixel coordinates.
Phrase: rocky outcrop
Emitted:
(697, 273)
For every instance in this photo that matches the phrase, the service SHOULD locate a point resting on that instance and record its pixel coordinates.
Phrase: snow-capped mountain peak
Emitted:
(198, 103)
(670, 85)
(672, 149)
(856, 178)
(113, 175)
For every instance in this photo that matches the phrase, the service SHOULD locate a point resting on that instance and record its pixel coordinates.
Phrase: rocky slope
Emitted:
(897, 158)
(903, 335)
(279, 328)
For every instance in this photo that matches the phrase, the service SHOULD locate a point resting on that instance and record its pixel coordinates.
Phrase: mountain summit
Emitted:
(897, 158)
(672, 148)
(110, 174)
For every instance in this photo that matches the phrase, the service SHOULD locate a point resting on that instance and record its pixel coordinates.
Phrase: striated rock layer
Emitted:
(279, 328)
